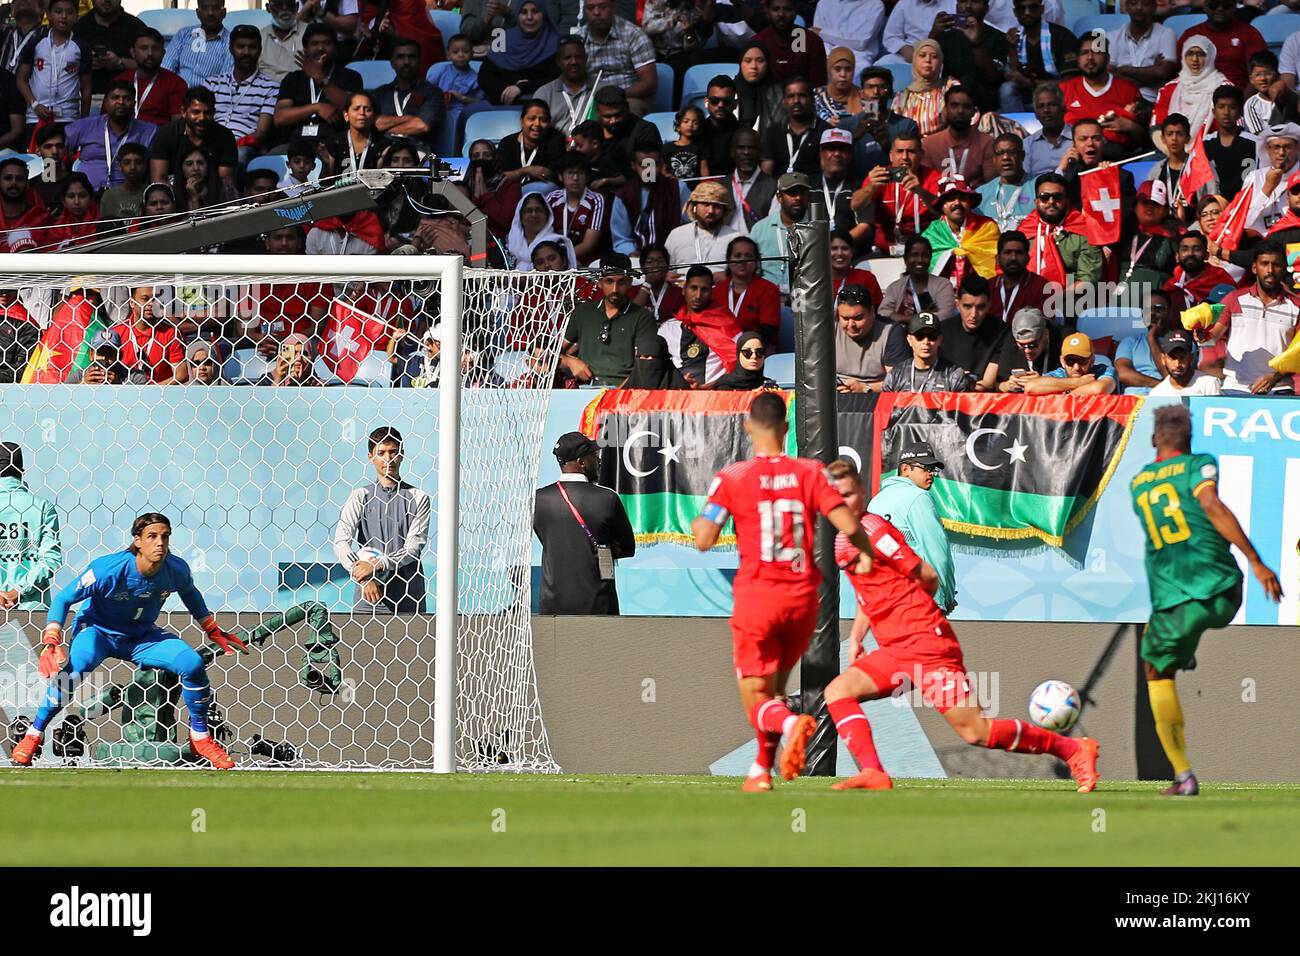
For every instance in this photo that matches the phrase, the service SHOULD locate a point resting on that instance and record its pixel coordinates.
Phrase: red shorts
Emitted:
(934, 667)
(769, 634)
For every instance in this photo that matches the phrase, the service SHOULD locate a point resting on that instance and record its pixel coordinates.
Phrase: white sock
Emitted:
(756, 771)
(789, 722)
(33, 732)
(199, 736)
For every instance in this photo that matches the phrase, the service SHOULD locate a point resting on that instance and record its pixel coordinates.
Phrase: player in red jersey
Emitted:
(774, 501)
(917, 646)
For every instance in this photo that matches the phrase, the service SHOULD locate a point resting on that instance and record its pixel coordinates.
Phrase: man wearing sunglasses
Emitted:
(928, 371)
(1079, 374)
(904, 500)
(720, 123)
(1059, 250)
(602, 338)
(1235, 40)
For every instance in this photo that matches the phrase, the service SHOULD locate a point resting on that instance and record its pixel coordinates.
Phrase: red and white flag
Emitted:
(352, 332)
(1198, 170)
(1100, 204)
(1232, 221)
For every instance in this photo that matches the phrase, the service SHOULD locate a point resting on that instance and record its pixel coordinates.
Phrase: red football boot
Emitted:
(868, 779)
(1083, 765)
(25, 750)
(760, 784)
(212, 752)
(794, 755)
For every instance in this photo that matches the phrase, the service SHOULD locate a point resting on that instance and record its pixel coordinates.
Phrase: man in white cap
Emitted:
(1279, 158)
(831, 182)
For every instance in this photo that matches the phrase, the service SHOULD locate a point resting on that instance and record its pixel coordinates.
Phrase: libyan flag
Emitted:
(1015, 466)
(662, 449)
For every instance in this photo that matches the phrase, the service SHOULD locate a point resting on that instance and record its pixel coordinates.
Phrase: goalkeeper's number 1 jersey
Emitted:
(1186, 557)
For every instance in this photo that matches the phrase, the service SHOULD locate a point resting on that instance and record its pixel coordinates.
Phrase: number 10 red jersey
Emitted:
(774, 500)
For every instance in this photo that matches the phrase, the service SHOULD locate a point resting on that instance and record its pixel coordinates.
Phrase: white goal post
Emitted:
(256, 468)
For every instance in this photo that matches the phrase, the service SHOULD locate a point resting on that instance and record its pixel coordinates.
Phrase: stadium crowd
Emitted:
(978, 156)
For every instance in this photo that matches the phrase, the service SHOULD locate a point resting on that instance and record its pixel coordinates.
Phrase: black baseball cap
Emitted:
(1176, 339)
(573, 446)
(919, 453)
(615, 264)
(923, 322)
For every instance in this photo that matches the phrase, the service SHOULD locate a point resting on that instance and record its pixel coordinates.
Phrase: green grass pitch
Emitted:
(124, 818)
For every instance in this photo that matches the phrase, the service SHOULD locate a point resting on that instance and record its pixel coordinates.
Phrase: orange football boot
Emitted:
(794, 755)
(867, 779)
(212, 752)
(25, 750)
(1083, 765)
(759, 784)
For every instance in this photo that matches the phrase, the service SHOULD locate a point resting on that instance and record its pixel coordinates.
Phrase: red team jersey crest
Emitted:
(774, 502)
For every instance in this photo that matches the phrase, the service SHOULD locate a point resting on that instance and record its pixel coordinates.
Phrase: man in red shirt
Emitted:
(792, 50)
(904, 193)
(774, 501)
(1015, 287)
(1235, 42)
(1099, 95)
(275, 311)
(916, 646)
(159, 93)
(1195, 278)
(151, 349)
(21, 208)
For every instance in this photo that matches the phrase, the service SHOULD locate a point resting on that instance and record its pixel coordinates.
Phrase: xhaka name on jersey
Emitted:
(777, 482)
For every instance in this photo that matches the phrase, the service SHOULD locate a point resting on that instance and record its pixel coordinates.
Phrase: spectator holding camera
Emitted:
(901, 195)
(105, 366)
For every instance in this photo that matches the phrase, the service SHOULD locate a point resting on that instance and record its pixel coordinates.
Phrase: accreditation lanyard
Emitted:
(699, 251)
(657, 298)
(925, 381)
(958, 169)
(916, 299)
(12, 55)
(1134, 254)
(831, 197)
(141, 97)
(898, 209)
(1009, 298)
(734, 304)
(742, 191)
(311, 84)
(795, 150)
(526, 161)
(358, 163)
(574, 112)
(108, 149)
(577, 515)
(399, 106)
(1007, 211)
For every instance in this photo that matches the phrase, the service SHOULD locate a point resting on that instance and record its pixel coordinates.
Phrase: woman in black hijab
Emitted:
(761, 103)
(748, 374)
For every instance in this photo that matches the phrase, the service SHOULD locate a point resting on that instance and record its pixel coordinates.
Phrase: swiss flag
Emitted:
(1198, 171)
(352, 331)
(1100, 204)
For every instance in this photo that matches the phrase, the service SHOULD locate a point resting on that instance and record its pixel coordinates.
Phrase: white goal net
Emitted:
(291, 417)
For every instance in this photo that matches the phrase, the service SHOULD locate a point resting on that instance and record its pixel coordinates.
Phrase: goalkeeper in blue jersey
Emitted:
(126, 592)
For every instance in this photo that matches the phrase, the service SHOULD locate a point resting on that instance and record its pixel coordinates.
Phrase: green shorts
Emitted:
(1171, 636)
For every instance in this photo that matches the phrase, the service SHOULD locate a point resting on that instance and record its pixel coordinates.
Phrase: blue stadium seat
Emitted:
(785, 334)
(34, 163)
(374, 372)
(1277, 28)
(255, 18)
(492, 124)
(1075, 10)
(902, 74)
(511, 366)
(1140, 171)
(780, 369)
(1028, 120)
(664, 122)
(245, 366)
(664, 91)
(169, 22)
(447, 22)
(1184, 22)
(374, 73)
(1100, 21)
(1116, 323)
(695, 84)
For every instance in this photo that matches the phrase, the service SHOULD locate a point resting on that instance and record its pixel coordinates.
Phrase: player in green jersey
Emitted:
(29, 538)
(1194, 579)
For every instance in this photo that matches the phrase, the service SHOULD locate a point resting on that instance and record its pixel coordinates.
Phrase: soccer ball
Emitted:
(372, 555)
(1054, 705)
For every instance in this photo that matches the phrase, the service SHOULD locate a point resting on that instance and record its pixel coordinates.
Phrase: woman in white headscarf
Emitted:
(1191, 92)
(533, 222)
